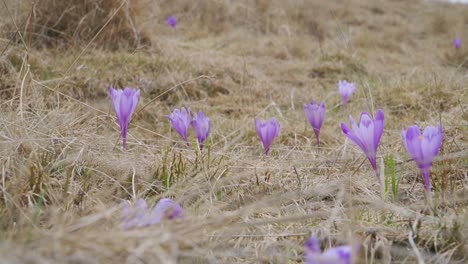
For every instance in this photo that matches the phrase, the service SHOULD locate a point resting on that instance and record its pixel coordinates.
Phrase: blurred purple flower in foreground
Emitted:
(457, 43)
(423, 148)
(346, 89)
(181, 120)
(140, 215)
(316, 115)
(267, 131)
(202, 126)
(124, 103)
(367, 135)
(335, 255)
(171, 21)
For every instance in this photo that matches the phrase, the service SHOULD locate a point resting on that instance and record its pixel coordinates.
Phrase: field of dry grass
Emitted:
(64, 175)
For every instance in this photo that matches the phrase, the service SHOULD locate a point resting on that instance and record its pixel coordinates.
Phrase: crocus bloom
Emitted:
(346, 89)
(133, 216)
(140, 215)
(457, 43)
(367, 135)
(316, 115)
(201, 125)
(171, 21)
(165, 209)
(423, 148)
(267, 131)
(124, 102)
(335, 255)
(180, 120)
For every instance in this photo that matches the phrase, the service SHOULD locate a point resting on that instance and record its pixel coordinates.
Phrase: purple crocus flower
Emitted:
(423, 148)
(180, 120)
(316, 115)
(367, 135)
(124, 103)
(267, 131)
(335, 255)
(171, 21)
(165, 209)
(457, 43)
(140, 215)
(202, 126)
(346, 89)
(133, 216)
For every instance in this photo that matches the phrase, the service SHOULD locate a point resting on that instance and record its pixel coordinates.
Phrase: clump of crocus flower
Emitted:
(316, 115)
(267, 131)
(457, 43)
(367, 135)
(346, 89)
(202, 126)
(171, 21)
(181, 120)
(335, 255)
(140, 215)
(423, 148)
(124, 103)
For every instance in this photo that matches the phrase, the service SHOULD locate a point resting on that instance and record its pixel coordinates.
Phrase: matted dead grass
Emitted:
(64, 176)
(64, 23)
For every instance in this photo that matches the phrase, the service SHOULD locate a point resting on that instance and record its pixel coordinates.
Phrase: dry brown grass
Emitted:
(63, 175)
(64, 23)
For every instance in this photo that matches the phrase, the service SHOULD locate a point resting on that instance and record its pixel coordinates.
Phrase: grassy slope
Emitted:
(64, 176)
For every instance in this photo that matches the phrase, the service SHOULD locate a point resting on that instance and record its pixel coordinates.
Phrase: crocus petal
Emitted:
(457, 43)
(367, 135)
(412, 139)
(133, 216)
(171, 21)
(202, 126)
(136, 98)
(431, 142)
(165, 209)
(124, 103)
(379, 124)
(351, 135)
(423, 148)
(313, 244)
(262, 131)
(116, 94)
(140, 216)
(337, 255)
(365, 132)
(272, 130)
(316, 115)
(187, 119)
(267, 131)
(346, 89)
(181, 120)
(334, 255)
(354, 126)
(322, 112)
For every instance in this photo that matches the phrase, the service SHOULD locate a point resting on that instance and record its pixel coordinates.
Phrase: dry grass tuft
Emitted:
(65, 23)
